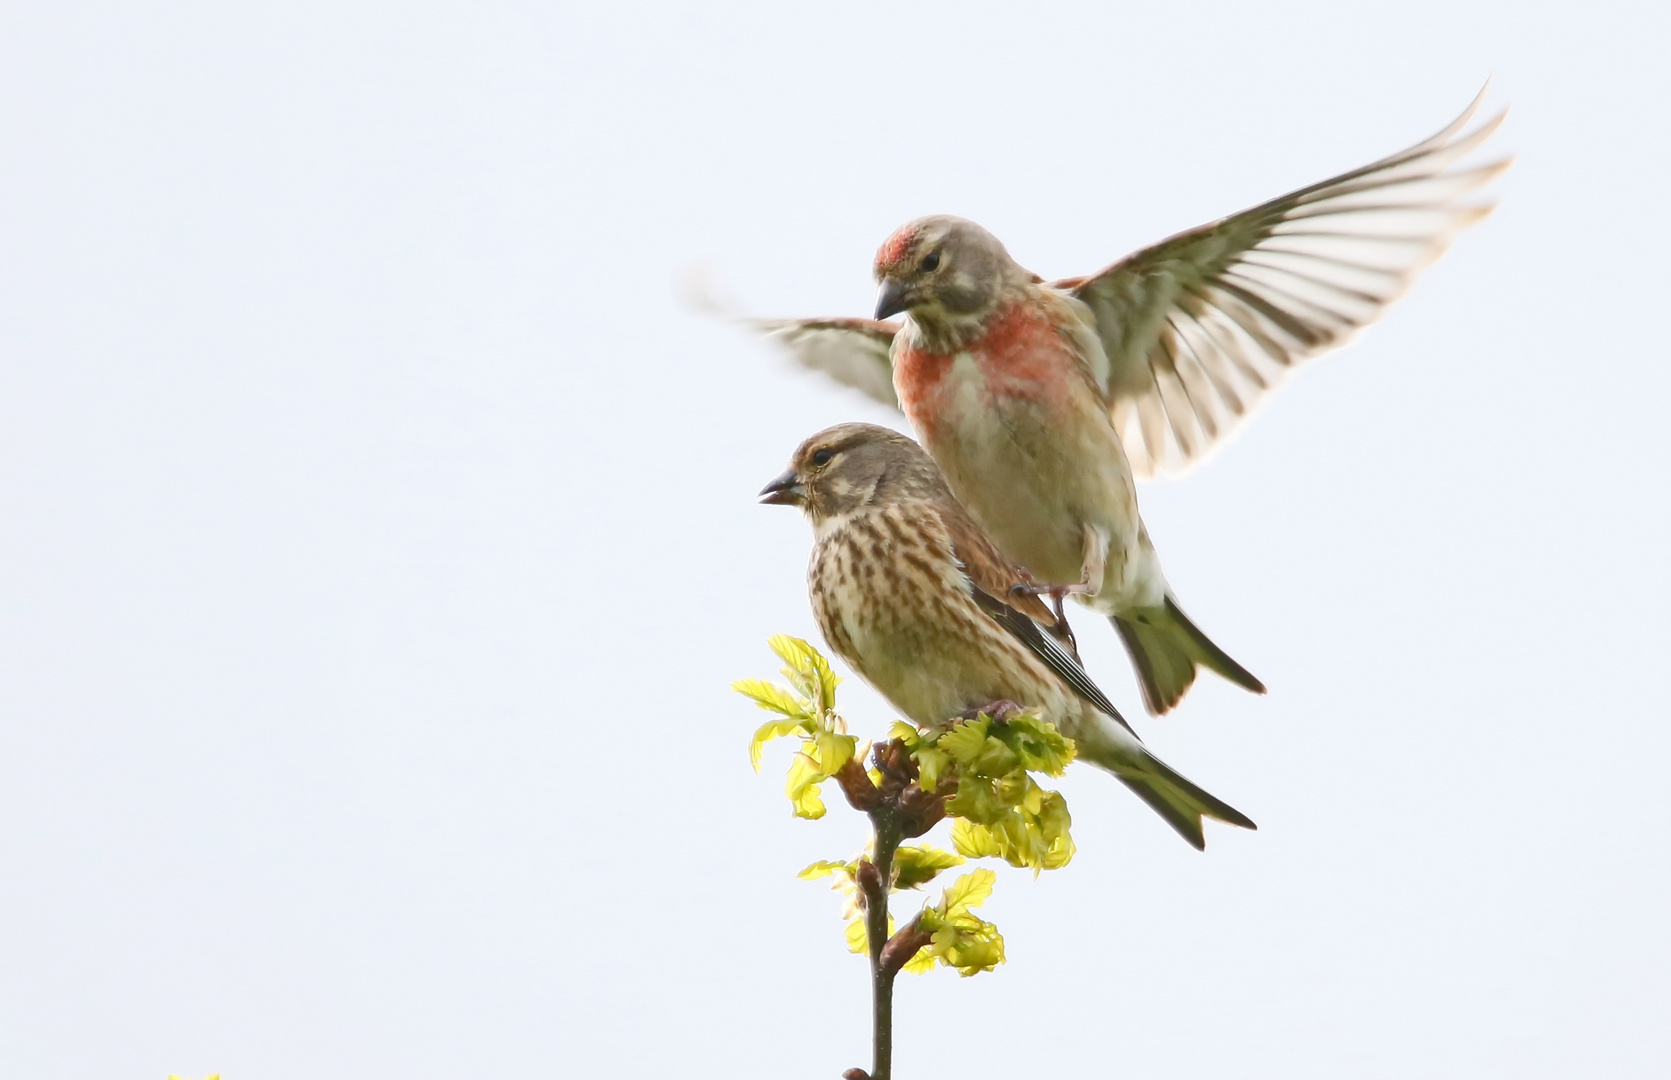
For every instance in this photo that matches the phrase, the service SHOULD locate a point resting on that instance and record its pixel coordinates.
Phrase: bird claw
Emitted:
(1001, 710)
(1055, 592)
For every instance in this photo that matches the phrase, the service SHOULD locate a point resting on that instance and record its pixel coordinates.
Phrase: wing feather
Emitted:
(853, 352)
(1199, 328)
(1026, 617)
(1054, 656)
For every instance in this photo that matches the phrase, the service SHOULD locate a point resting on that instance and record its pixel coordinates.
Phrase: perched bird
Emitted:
(909, 591)
(1042, 402)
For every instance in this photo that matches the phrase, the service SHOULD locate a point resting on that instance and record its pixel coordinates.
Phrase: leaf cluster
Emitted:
(807, 710)
(978, 770)
(914, 865)
(1001, 811)
(953, 935)
(961, 939)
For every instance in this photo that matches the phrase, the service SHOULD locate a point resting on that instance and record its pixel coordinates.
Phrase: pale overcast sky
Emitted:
(379, 542)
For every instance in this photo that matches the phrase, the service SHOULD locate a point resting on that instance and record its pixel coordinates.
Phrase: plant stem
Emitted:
(897, 809)
(876, 929)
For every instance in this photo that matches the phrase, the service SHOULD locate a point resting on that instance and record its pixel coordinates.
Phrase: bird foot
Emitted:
(1034, 588)
(1062, 630)
(1001, 710)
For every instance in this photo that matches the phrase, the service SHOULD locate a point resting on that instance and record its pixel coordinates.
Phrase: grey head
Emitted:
(944, 270)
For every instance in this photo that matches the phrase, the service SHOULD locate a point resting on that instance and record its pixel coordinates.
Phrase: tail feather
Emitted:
(1113, 747)
(1180, 802)
(1166, 648)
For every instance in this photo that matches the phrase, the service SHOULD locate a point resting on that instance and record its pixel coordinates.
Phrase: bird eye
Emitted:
(930, 263)
(822, 458)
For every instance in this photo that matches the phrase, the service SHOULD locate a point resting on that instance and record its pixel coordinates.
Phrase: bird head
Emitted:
(943, 270)
(849, 466)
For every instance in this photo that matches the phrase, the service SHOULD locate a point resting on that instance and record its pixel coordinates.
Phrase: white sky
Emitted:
(379, 539)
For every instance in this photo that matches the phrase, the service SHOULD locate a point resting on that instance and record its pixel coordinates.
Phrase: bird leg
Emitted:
(1090, 580)
(1063, 632)
(1056, 596)
(1028, 587)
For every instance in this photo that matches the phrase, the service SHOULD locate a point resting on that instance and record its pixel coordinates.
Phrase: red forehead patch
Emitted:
(895, 247)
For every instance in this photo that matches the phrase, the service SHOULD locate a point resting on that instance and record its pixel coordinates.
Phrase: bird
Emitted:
(908, 590)
(1044, 402)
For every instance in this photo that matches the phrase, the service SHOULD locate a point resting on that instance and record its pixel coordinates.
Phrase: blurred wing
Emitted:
(853, 352)
(1200, 327)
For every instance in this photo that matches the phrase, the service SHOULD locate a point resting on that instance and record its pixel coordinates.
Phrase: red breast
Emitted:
(1020, 351)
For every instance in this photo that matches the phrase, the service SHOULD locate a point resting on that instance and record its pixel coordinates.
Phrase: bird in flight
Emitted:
(1042, 402)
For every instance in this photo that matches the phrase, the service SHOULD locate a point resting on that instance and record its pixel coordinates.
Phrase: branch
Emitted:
(898, 809)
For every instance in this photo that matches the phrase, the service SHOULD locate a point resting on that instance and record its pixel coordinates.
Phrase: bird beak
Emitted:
(785, 490)
(891, 300)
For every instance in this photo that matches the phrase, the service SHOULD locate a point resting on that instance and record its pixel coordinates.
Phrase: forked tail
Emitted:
(1181, 802)
(1109, 744)
(1166, 648)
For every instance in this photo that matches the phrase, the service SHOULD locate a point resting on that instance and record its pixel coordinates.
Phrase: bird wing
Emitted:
(1055, 656)
(853, 352)
(1025, 616)
(986, 566)
(1200, 327)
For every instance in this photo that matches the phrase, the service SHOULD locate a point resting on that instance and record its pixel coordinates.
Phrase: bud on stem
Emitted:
(855, 784)
(903, 946)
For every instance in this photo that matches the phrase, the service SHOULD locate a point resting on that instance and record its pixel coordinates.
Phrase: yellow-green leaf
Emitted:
(1059, 854)
(921, 961)
(857, 939)
(1039, 842)
(994, 759)
(977, 800)
(931, 765)
(801, 785)
(1053, 817)
(823, 868)
(965, 741)
(1039, 745)
(1012, 788)
(970, 890)
(975, 841)
(807, 669)
(774, 698)
(970, 950)
(808, 803)
(771, 729)
(834, 751)
(917, 865)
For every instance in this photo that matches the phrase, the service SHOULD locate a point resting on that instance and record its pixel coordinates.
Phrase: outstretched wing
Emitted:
(1200, 327)
(853, 352)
